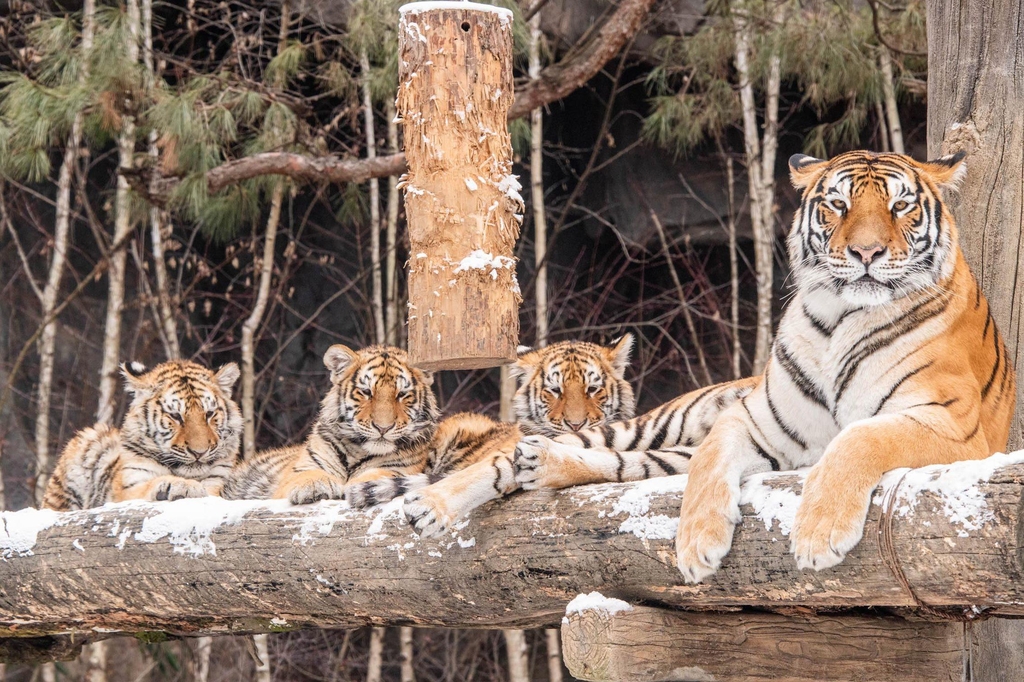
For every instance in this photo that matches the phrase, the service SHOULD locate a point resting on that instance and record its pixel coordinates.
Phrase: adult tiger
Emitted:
(180, 438)
(375, 422)
(886, 357)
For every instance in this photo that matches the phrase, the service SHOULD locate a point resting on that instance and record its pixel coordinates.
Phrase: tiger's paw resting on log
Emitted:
(173, 488)
(307, 487)
(366, 494)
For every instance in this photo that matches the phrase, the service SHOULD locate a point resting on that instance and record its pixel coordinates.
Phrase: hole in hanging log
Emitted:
(465, 26)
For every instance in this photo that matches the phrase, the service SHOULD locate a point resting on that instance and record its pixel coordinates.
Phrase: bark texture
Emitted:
(211, 566)
(462, 202)
(654, 645)
(975, 99)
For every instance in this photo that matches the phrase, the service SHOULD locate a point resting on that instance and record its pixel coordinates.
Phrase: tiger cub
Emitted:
(180, 438)
(887, 356)
(565, 387)
(375, 422)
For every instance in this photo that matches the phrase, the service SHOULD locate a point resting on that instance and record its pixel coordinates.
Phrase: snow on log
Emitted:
(214, 566)
(463, 203)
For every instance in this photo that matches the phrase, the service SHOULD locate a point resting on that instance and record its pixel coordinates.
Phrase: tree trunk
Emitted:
(61, 232)
(540, 227)
(734, 270)
(111, 355)
(975, 99)
(157, 218)
(760, 157)
(390, 271)
(252, 323)
(554, 640)
(462, 202)
(377, 294)
(201, 665)
(262, 644)
(405, 636)
(375, 660)
(518, 656)
(892, 111)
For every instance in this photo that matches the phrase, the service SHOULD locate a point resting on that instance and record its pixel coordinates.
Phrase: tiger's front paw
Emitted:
(179, 489)
(314, 489)
(371, 493)
(540, 462)
(427, 513)
(706, 525)
(829, 521)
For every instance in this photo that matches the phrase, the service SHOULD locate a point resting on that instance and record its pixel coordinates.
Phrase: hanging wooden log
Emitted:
(462, 201)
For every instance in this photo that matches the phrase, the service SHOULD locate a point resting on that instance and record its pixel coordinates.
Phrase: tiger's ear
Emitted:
(525, 361)
(803, 169)
(947, 171)
(226, 377)
(338, 357)
(135, 380)
(428, 377)
(618, 354)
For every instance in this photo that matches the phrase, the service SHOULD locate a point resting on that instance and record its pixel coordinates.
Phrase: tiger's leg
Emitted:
(837, 493)
(432, 510)
(711, 502)
(654, 444)
(376, 486)
(165, 487)
(543, 463)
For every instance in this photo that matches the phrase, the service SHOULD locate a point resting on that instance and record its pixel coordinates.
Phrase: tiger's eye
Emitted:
(899, 205)
(839, 204)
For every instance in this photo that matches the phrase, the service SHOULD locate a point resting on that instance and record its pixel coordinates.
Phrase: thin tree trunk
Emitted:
(263, 651)
(891, 110)
(405, 636)
(880, 113)
(156, 217)
(391, 245)
(734, 269)
(48, 673)
(518, 656)
(62, 230)
(376, 658)
(537, 191)
(201, 665)
(761, 176)
(252, 323)
(118, 261)
(377, 295)
(554, 638)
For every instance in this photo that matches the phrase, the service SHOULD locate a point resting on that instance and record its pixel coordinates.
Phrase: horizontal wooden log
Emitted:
(214, 566)
(656, 645)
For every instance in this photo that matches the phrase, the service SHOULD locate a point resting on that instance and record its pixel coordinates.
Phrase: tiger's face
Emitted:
(872, 228)
(182, 415)
(377, 399)
(573, 385)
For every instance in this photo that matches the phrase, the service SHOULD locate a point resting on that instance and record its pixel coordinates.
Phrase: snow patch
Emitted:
(595, 601)
(321, 519)
(509, 186)
(956, 485)
(391, 510)
(417, 7)
(635, 503)
(189, 523)
(21, 528)
(771, 504)
(471, 184)
(481, 260)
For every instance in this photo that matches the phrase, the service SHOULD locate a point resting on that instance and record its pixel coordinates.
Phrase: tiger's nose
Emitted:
(868, 254)
(575, 426)
(383, 429)
(196, 453)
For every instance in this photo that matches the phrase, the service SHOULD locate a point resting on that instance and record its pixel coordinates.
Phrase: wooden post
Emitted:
(975, 100)
(462, 202)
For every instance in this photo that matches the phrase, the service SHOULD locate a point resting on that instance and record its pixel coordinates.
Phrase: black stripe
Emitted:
(665, 466)
(622, 465)
(786, 428)
(818, 325)
(898, 384)
(988, 323)
(761, 451)
(995, 368)
(804, 383)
